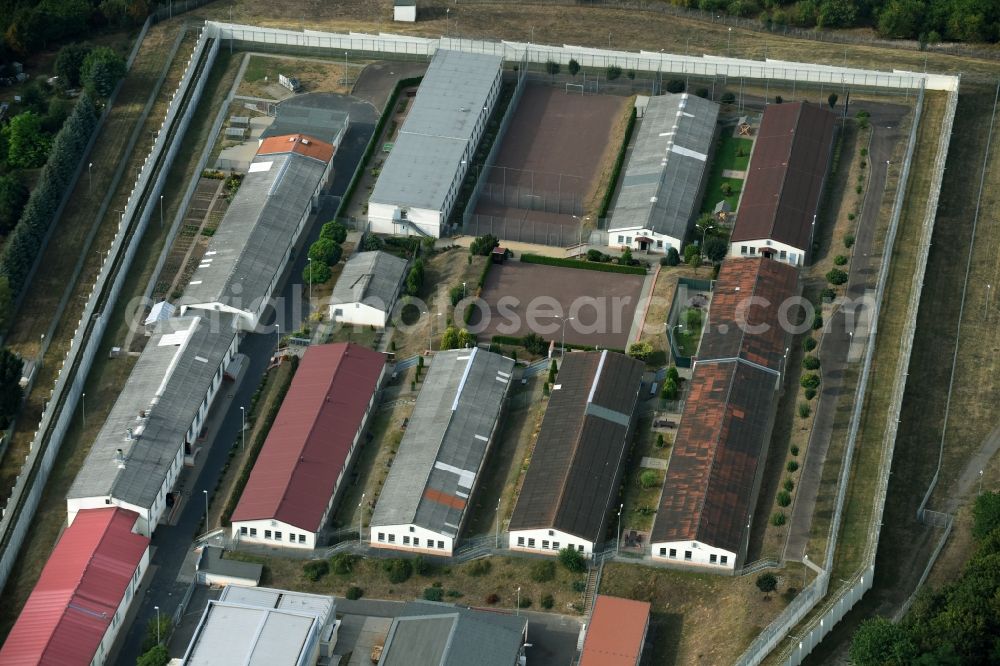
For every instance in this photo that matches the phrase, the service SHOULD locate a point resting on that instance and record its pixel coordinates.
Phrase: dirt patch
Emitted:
(314, 74)
(602, 305)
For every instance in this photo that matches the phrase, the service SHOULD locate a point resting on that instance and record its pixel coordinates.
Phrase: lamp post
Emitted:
(90, 177)
(361, 518)
(205, 493)
(243, 430)
(157, 609)
(83, 402)
(310, 265)
(562, 345)
(703, 232)
(618, 534)
(986, 310)
(447, 19)
(517, 607)
(161, 211)
(498, 523)
(729, 43)
(464, 294)
(980, 482)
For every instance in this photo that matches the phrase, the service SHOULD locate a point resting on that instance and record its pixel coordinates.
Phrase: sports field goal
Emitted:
(574, 88)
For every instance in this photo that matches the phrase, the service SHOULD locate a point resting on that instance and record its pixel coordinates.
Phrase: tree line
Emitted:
(929, 21)
(28, 26)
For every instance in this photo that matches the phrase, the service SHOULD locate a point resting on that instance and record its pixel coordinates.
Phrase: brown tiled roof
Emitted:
(297, 143)
(743, 318)
(581, 446)
(785, 178)
(708, 491)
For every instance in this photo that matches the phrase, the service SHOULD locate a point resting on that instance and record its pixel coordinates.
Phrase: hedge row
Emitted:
(25, 241)
(370, 148)
(256, 445)
(616, 172)
(586, 265)
(514, 341)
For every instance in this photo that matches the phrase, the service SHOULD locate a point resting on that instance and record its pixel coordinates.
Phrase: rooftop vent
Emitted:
(120, 459)
(128, 435)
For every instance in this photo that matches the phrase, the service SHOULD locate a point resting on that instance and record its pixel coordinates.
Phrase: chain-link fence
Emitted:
(525, 230)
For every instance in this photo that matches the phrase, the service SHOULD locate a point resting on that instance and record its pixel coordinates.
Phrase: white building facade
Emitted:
(548, 542)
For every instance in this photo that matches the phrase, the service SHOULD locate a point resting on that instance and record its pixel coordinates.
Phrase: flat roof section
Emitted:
(785, 178)
(667, 165)
(444, 447)
(744, 315)
(616, 632)
(308, 445)
(158, 404)
(581, 445)
(78, 593)
(440, 125)
(708, 490)
(248, 250)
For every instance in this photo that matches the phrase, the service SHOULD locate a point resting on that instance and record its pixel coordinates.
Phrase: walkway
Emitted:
(836, 344)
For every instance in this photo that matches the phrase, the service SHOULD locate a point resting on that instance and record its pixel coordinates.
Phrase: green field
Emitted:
(727, 157)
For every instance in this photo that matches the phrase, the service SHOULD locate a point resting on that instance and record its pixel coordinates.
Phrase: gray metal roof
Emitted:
(311, 114)
(432, 142)
(445, 443)
(169, 382)
(447, 635)
(372, 278)
(662, 180)
(249, 248)
(211, 562)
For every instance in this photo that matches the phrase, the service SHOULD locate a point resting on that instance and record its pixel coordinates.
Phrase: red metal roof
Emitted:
(616, 632)
(307, 447)
(79, 591)
(785, 177)
(297, 143)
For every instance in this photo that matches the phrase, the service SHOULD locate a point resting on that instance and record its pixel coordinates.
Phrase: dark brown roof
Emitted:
(708, 491)
(785, 178)
(581, 446)
(744, 314)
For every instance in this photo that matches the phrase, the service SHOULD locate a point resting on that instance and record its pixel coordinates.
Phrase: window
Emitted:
(580, 548)
(743, 249)
(381, 536)
(673, 552)
(277, 535)
(302, 538)
(531, 543)
(416, 541)
(783, 254)
(687, 555)
(267, 534)
(621, 239)
(545, 544)
(712, 558)
(555, 545)
(243, 530)
(659, 243)
(441, 545)
(753, 250)
(552, 533)
(663, 552)
(253, 531)
(406, 540)
(412, 528)
(392, 538)
(725, 559)
(520, 541)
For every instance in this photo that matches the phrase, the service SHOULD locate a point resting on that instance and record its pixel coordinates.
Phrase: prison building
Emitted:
(258, 625)
(309, 449)
(664, 178)
(156, 423)
(420, 181)
(717, 461)
(423, 505)
(249, 251)
(616, 633)
(577, 463)
(776, 217)
(366, 290)
(444, 634)
(82, 598)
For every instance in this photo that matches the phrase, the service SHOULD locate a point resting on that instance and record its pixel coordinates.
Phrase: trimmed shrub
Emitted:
(791, 466)
(315, 570)
(809, 393)
(524, 602)
(809, 344)
(840, 260)
(788, 485)
(672, 258)
(794, 450)
(334, 231)
(767, 582)
(398, 570)
(849, 241)
(810, 362)
(573, 560)
(836, 276)
(804, 410)
(342, 563)
(810, 380)
(778, 518)
(547, 601)
(433, 594)
(783, 498)
(543, 571)
(354, 593)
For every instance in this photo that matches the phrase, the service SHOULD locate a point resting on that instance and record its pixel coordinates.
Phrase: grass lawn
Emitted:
(688, 336)
(713, 191)
(313, 74)
(641, 502)
(502, 577)
(732, 153)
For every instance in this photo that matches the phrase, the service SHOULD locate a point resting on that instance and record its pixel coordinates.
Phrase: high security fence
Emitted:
(59, 411)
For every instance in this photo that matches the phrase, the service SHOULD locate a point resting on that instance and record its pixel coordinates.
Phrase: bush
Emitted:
(817, 320)
(154, 656)
(547, 601)
(849, 241)
(778, 518)
(716, 249)
(483, 245)
(588, 265)
(660, 442)
(788, 485)
(690, 250)
(342, 563)
(492, 598)
(543, 571)
(371, 242)
(398, 570)
(315, 570)
(68, 63)
(101, 70)
(325, 251)
(701, 92)
(534, 343)
(783, 498)
(767, 582)
(573, 560)
(810, 362)
(354, 593)
(840, 260)
(809, 393)
(794, 450)
(614, 72)
(836, 276)
(640, 351)
(316, 272)
(675, 86)
(809, 380)
(727, 98)
(985, 515)
(433, 594)
(828, 294)
(670, 391)
(809, 344)
(649, 479)
(672, 258)
(524, 602)
(421, 567)
(804, 410)
(573, 67)
(334, 231)
(791, 466)
(479, 568)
